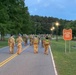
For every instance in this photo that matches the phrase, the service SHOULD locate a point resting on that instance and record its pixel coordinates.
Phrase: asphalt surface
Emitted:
(27, 63)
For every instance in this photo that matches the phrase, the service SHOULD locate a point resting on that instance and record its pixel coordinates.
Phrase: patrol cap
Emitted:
(47, 37)
(11, 34)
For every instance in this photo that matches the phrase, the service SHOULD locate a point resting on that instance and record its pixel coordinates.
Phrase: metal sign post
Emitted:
(69, 46)
(65, 46)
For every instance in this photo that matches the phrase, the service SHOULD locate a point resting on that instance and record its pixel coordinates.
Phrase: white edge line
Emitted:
(53, 61)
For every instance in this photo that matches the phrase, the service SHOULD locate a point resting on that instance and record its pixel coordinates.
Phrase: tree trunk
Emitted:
(2, 36)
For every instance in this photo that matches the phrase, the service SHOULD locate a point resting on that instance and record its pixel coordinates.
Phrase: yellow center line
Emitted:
(7, 59)
(3, 63)
(10, 58)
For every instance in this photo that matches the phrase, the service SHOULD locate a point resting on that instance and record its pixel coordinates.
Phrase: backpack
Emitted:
(36, 41)
(47, 42)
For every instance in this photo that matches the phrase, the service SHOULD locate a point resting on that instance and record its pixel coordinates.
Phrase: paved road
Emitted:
(27, 63)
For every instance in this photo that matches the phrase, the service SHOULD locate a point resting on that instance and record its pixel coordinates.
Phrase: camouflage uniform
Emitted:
(11, 43)
(25, 40)
(35, 44)
(42, 41)
(31, 39)
(46, 45)
(19, 41)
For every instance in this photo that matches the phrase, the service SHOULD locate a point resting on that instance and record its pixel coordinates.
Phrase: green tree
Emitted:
(4, 18)
(72, 25)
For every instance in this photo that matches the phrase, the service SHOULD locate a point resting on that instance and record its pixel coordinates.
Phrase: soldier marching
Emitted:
(19, 41)
(34, 41)
(11, 43)
(46, 45)
(35, 44)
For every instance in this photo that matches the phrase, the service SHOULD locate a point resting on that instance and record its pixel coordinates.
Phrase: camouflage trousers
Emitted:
(35, 48)
(46, 49)
(19, 48)
(11, 46)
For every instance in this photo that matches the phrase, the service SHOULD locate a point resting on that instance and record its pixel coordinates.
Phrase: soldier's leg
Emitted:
(44, 49)
(30, 43)
(42, 44)
(18, 51)
(25, 41)
(47, 49)
(21, 49)
(34, 48)
(10, 49)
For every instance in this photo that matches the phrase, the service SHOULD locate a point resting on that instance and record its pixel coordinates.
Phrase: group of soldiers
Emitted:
(11, 43)
(34, 41)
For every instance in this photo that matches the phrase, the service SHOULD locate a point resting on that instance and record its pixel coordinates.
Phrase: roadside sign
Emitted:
(67, 34)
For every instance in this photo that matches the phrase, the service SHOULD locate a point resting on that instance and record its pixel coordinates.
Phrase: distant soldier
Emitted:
(49, 36)
(19, 41)
(38, 39)
(11, 43)
(42, 40)
(25, 40)
(31, 39)
(35, 44)
(46, 45)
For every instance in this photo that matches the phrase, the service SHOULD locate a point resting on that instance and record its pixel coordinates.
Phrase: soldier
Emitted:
(31, 40)
(49, 36)
(19, 41)
(35, 44)
(25, 40)
(38, 39)
(46, 45)
(42, 40)
(11, 43)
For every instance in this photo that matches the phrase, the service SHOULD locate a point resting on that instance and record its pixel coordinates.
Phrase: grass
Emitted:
(3, 43)
(65, 62)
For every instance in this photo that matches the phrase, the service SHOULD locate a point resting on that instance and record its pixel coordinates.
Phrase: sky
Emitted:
(62, 9)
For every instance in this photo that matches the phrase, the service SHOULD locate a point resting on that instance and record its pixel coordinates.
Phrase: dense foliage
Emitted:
(15, 19)
(43, 24)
